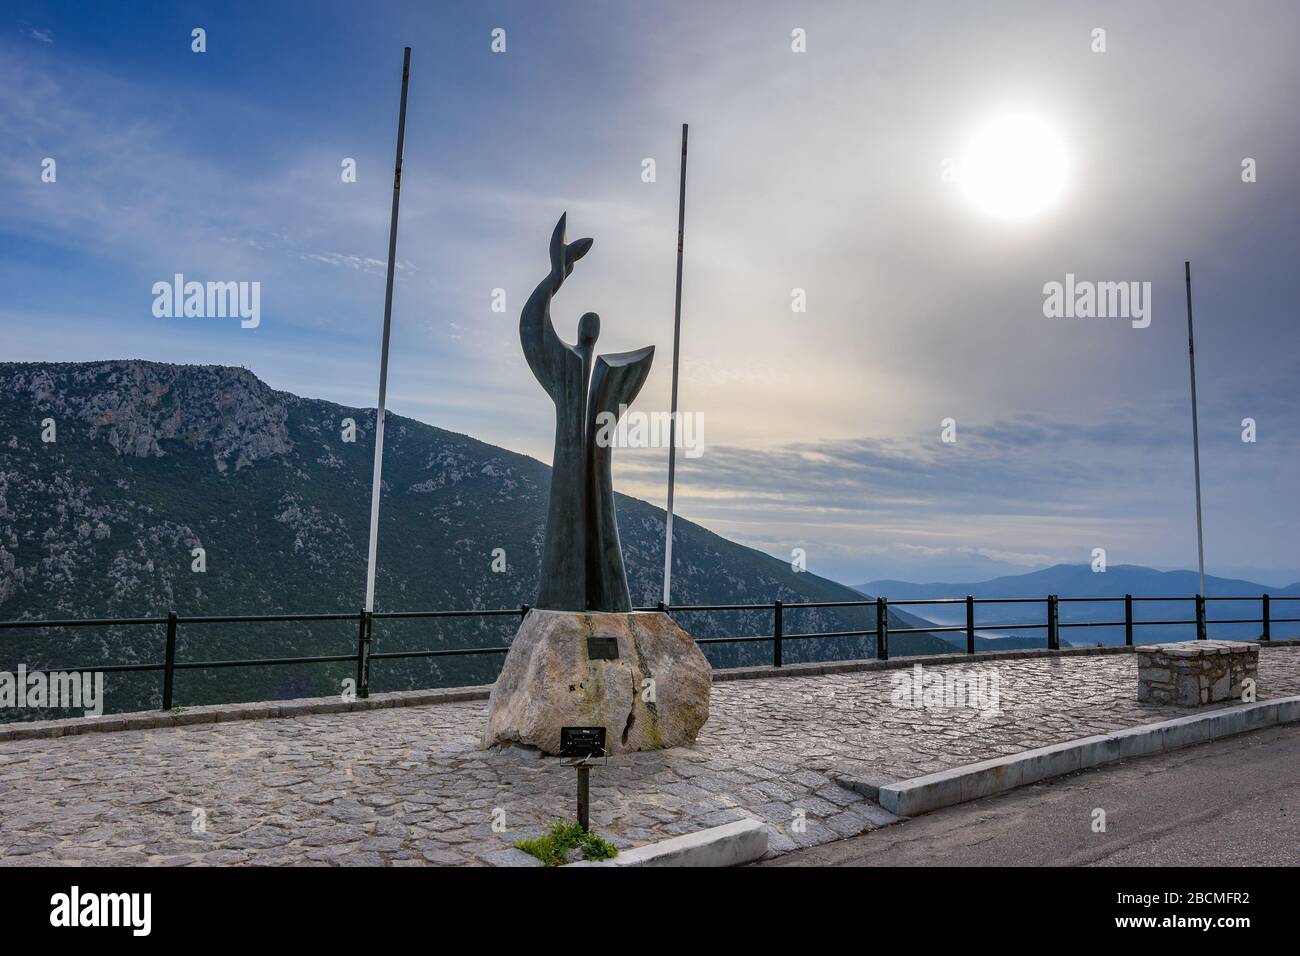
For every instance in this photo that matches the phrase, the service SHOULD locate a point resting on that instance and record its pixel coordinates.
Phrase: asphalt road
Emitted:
(1233, 802)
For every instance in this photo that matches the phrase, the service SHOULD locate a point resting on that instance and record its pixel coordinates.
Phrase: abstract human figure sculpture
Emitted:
(582, 562)
(581, 656)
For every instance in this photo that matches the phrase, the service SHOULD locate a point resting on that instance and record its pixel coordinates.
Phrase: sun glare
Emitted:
(1015, 167)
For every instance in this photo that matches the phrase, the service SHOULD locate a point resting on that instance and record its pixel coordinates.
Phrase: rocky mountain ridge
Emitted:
(132, 488)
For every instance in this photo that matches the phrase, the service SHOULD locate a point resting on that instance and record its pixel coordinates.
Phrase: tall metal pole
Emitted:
(1196, 440)
(383, 354)
(672, 421)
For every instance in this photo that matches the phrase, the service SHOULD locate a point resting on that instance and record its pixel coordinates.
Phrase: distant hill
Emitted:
(1079, 580)
(153, 460)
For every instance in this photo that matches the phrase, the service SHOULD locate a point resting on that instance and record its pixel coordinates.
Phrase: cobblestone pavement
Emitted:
(408, 786)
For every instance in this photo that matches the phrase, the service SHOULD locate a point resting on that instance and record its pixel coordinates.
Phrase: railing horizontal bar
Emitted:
(805, 637)
(1237, 620)
(720, 607)
(922, 630)
(395, 615)
(452, 652)
(910, 601)
(862, 603)
(197, 665)
(1092, 623)
(510, 612)
(97, 622)
(106, 669)
(264, 618)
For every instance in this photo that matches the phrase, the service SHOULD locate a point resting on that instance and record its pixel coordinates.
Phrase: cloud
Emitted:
(365, 263)
(37, 33)
(1020, 491)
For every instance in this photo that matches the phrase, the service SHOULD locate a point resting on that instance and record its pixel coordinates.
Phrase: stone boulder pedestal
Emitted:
(638, 675)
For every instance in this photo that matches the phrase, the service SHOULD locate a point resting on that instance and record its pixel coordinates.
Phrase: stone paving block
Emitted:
(510, 856)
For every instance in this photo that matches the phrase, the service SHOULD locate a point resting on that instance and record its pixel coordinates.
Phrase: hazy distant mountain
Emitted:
(1079, 580)
(151, 461)
(955, 565)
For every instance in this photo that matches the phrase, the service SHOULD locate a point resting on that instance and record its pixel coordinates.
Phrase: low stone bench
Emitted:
(1195, 673)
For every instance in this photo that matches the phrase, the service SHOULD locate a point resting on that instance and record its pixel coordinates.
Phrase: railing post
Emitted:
(663, 608)
(1128, 620)
(1200, 617)
(169, 661)
(1053, 624)
(777, 627)
(363, 655)
(1268, 630)
(523, 611)
(970, 624)
(882, 629)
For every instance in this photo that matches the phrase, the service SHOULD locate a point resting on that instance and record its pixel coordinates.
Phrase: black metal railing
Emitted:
(365, 656)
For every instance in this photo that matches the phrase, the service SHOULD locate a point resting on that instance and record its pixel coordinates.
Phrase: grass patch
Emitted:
(563, 837)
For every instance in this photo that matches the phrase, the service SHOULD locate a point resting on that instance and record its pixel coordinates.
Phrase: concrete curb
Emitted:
(961, 784)
(263, 710)
(741, 841)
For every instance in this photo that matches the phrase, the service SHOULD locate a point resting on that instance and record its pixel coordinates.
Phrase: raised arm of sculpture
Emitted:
(545, 351)
(563, 371)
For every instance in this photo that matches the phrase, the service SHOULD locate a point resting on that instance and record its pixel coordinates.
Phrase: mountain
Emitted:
(1080, 581)
(151, 461)
(956, 564)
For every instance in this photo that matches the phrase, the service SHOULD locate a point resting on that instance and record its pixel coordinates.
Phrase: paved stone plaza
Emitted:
(408, 786)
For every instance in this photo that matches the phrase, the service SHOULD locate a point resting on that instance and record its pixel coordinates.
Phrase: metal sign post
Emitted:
(583, 745)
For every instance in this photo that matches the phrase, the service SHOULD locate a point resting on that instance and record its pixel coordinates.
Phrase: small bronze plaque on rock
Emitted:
(602, 648)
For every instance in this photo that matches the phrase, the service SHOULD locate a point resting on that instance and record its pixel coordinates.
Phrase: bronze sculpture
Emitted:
(582, 562)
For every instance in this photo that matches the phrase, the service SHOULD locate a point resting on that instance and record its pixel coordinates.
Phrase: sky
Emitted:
(819, 170)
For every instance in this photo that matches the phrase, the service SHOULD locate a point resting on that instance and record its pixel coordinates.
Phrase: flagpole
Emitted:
(375, 484)
(1196, 442)
(672, 420)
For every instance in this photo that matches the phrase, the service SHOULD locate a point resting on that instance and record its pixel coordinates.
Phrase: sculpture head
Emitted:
(588, 330)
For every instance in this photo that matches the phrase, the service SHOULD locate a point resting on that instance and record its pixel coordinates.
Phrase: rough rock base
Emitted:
(654, 695)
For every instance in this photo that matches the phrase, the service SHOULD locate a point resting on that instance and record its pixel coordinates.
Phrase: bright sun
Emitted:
(1014, 167)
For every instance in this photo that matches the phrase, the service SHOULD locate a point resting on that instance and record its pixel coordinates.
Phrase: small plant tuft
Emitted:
(554, 846)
